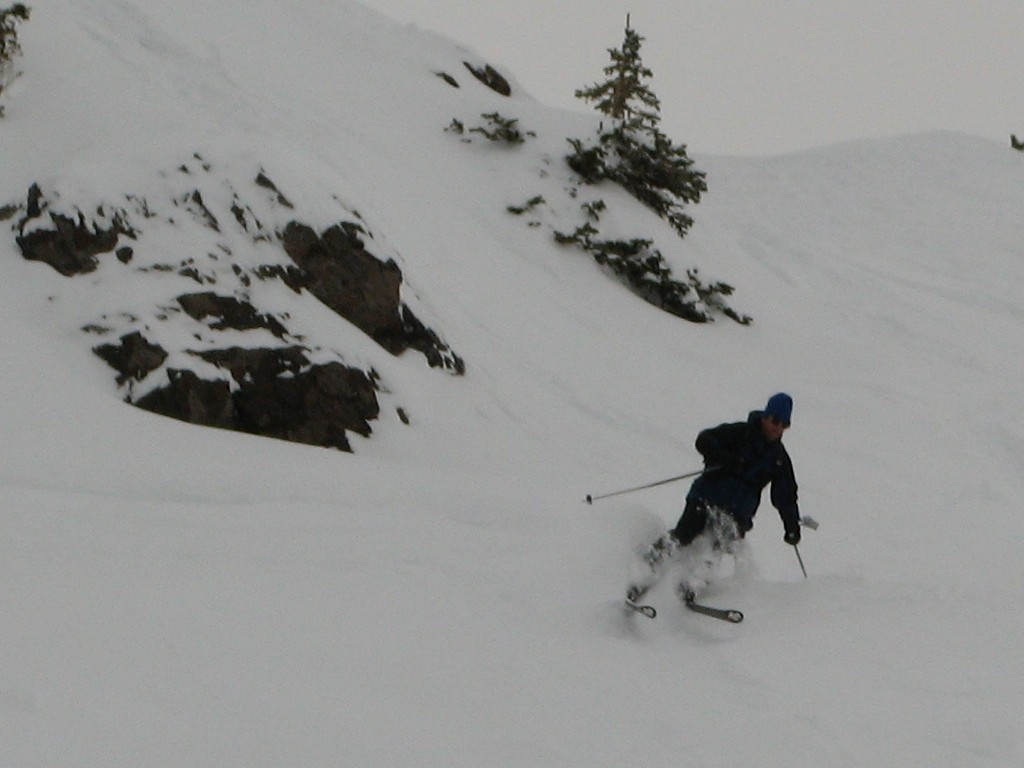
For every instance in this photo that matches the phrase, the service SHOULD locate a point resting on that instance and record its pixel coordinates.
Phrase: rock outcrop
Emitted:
(279, 384)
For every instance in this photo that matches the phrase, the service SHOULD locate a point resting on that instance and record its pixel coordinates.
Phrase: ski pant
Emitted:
(698, 516)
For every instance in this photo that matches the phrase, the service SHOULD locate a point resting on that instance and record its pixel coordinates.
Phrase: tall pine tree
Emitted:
(624, 96)
(632, 150)
(629, 149)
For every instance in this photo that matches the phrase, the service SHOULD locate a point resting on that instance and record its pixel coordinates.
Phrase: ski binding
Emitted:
(646, 610)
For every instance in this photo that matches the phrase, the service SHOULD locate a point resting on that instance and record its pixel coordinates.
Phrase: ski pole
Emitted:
(806, 522)
(800, 560)
(591, 499)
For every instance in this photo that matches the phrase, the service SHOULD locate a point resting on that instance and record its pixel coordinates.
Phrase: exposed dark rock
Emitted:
(229, 313)
(257, 363)
(349, 279)
(70, 247)
(315, 407)
(362, 289)
(193, 202)
(133, 358)
(490, 77)
(192, 273)
(277, 394)
(274, 392)
(246, 219)
(448, 79)
(264, 181)
(424, 340)
(34, 206)
(293, 277)
(190, 398)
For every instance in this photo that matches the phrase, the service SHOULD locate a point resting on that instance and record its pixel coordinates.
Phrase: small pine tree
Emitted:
(633, 151)
(624, 96)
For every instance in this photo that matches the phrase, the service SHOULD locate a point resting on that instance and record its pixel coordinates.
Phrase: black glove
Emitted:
(792, 537)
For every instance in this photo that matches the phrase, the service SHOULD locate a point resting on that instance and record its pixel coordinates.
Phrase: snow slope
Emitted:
(174, 596)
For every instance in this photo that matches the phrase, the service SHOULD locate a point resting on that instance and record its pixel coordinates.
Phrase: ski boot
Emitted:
(635, 593)
(686, 592)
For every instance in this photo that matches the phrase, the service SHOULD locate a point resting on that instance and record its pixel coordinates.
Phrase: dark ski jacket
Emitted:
(746, 462)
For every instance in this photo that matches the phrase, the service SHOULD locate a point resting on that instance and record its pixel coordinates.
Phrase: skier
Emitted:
(741, 459)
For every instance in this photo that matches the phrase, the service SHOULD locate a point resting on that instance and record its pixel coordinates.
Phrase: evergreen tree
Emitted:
(624, 96)
(9, 46)
(633, 151)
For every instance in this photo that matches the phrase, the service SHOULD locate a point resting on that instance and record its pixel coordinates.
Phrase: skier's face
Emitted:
(772, 428)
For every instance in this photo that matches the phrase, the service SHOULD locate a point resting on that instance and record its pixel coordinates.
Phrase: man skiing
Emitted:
(741, 458)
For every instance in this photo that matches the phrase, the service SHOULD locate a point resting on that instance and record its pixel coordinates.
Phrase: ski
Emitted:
(646, 610)
(725, 614)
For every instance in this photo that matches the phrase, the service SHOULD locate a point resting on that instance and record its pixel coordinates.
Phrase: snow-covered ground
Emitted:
(178, 596)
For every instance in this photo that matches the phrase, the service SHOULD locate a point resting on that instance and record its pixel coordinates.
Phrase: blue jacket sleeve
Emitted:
(784, 493)
(723, 446)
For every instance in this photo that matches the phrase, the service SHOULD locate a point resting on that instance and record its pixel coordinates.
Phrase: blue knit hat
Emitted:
(780, 406)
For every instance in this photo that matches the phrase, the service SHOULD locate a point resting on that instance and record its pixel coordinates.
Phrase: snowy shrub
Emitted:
(9, 47)
(499, 129)
(644, 269)
(529, 205)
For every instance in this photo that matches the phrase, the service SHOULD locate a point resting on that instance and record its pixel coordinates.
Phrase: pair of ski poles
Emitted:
(807, 522)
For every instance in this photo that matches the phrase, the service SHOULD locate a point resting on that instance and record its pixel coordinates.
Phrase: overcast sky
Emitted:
(765, 76)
